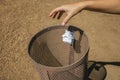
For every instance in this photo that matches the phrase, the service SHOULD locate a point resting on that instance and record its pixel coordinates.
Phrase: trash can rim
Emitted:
(66, 67)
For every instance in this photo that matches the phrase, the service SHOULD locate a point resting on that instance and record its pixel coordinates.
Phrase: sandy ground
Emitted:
(20, 20)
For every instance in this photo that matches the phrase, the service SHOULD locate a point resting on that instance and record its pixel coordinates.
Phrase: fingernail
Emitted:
(63, 24)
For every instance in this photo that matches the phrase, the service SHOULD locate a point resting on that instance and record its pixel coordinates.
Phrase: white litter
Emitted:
(68, 37)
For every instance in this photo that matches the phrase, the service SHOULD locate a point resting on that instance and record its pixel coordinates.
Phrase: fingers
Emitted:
(55, 11)
(67, 18)
(59, 11)
(60, 14)
(54, 15)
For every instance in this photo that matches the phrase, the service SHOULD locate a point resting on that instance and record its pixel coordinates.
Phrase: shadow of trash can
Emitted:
(56, 60)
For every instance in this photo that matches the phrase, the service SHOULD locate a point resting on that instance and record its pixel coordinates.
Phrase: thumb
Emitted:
(67, 18)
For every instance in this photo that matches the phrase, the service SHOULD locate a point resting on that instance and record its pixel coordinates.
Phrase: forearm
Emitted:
(112, 6)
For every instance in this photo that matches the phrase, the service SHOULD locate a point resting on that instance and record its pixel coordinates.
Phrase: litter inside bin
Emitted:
(48, 49)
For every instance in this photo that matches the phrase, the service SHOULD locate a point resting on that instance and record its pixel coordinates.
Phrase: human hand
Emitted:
(70, 9)
(111, 6)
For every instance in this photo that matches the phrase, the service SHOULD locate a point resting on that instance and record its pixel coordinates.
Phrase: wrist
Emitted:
(87, 4)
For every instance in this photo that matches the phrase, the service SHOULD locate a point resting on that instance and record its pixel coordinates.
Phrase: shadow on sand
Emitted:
(97, 70)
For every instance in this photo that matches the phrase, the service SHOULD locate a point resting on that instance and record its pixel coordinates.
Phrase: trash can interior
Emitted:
(48, 49)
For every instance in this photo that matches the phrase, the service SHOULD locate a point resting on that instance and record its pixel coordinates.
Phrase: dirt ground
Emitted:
(20, 20)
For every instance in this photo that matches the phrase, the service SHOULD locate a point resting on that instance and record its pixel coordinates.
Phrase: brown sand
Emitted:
(21, 19)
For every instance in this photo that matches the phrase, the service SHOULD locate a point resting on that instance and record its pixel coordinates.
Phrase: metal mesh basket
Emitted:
(56, 60)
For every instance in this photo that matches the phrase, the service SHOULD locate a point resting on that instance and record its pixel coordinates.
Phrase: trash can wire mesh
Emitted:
(56, 60)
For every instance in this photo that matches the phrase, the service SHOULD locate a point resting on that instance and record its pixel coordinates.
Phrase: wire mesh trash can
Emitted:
(56, 60)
